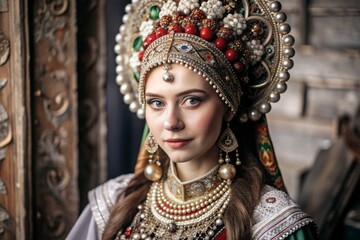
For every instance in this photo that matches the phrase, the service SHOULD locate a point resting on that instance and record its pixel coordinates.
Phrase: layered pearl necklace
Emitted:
(163, 216)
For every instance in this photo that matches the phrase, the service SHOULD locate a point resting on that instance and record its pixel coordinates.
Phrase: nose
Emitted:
(173, 121)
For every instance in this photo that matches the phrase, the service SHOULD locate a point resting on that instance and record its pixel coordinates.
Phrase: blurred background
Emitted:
(64, 127)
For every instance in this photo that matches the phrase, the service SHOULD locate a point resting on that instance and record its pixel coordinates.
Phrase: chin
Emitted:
(179, 159)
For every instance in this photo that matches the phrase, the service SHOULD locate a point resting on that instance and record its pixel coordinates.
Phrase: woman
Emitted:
(206, 72)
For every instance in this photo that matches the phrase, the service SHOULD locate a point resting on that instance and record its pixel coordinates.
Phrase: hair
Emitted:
(246, 191)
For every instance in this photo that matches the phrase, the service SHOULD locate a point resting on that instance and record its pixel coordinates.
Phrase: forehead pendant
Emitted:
(167, 77)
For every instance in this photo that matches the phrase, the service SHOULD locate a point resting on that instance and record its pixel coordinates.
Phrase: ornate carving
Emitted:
(5, 138)
(52, 161)
(59, 7)
(55, 7)
(4, 48)
(55, 97)
(48, 25)
(4, 5)
(56, 119)
(5, 130)
(3, 83)
(55, 179)
(3, 188)
(61, 105)
(4, 216)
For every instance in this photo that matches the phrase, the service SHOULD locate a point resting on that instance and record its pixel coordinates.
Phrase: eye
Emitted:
(155, 103)
(191, 101)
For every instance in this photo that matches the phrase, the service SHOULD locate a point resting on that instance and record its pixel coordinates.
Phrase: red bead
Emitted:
(239, 67)
(145, 43)
(176, 28)
(157, 25)
(207, 34)
(161, 32)
(220, 43)
(191, 29)
(149, 39)
(231, 54)
(128, 231)
(141, 55)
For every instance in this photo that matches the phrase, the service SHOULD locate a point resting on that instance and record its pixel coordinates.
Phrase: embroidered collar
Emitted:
(190, 190)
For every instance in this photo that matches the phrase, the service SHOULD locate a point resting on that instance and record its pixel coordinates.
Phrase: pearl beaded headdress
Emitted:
(188, 50)
(242, 48)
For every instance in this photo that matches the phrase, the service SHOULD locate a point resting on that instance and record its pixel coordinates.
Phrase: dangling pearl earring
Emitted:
(153, 170)
(227, 143)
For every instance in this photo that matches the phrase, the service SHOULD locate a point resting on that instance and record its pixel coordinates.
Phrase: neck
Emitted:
(191, 170)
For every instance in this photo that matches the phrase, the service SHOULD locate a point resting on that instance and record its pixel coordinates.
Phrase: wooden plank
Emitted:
(331, 30)
(329, 67)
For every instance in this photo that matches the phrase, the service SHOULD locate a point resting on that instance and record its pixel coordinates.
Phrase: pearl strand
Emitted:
(220, 206)
(177, 211)
(152, 222)
(213, 196)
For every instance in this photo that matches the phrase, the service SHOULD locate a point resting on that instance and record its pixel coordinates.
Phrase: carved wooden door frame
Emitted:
(52, 113)
(15, 142)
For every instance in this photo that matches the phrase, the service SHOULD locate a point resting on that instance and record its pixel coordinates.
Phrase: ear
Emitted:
(228, 116)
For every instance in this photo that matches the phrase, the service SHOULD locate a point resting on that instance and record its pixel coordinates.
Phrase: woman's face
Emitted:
(185, 115)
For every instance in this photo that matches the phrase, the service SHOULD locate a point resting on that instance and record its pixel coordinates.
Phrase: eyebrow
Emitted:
(149, 94)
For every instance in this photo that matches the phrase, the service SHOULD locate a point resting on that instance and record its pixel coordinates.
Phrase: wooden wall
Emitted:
(324, 84)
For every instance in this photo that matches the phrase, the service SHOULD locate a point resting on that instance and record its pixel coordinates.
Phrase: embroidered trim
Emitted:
(277, 216)
(103, 198)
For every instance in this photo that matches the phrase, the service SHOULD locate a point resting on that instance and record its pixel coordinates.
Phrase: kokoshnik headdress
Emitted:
(242, 48)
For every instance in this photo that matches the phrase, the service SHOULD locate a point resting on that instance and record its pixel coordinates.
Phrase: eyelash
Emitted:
(154, 103)
(192, 98)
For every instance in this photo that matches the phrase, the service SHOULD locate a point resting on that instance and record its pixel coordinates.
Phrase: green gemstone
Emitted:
(266, 146)
(137, 44)
(154, 12)
(136, 76)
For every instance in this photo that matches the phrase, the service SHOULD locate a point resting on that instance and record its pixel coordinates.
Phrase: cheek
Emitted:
(209, 124)
(153, 123)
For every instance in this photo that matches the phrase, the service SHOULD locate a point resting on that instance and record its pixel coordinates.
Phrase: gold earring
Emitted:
(227, 143)
(153, 170)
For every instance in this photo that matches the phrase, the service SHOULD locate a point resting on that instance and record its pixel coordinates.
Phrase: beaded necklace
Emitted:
(163, 216)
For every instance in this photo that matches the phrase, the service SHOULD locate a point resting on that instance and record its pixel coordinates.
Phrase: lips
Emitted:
(177, 143)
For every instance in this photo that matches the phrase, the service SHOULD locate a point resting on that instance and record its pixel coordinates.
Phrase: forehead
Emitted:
(183, 78)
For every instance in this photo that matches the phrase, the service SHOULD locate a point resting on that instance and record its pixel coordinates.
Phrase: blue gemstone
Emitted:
(184, 47)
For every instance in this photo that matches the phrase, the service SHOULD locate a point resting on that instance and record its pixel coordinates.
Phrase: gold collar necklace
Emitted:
(185, 191)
